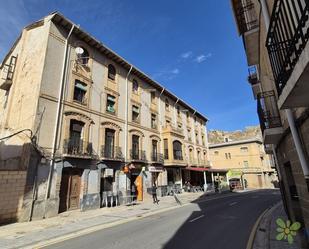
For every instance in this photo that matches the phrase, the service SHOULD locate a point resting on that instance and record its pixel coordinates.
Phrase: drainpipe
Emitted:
(297, 142)
(160, 124)
(288, 112)
(126, 118)
(59, 106)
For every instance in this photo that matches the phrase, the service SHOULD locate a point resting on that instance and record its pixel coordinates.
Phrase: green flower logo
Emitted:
(286, 230)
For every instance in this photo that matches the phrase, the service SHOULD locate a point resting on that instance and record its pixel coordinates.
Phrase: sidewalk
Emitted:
(266, 232)
(30, 233)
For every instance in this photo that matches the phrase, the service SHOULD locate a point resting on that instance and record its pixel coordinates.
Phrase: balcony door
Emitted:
(109, 143)
(76, 135)
(154, 150)
(177, 149)
(135, 147)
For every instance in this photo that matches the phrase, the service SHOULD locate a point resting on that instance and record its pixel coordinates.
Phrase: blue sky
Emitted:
(182, 44)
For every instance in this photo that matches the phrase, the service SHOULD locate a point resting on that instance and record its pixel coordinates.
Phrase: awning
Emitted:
(217, 170)
(197, 169)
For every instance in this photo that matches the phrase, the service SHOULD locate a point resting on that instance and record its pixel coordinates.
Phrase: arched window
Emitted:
(135, 86)
(84, 57)
(177, 150)
(111, 72)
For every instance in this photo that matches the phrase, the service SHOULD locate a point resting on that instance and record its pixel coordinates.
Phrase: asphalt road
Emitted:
(223, 223)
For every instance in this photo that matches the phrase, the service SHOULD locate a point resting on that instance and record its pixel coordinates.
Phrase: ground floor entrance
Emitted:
(70, 189)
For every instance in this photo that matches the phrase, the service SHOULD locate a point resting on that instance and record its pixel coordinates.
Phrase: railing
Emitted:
(245, 15)
(138, 155)
(111, 152)
(77, 147)
(252, 77)
(287, 37)
(172, 128)
(178, 157)
(157, 157)
(268, 111)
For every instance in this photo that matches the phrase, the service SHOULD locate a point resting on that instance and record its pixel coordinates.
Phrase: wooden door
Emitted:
(70, 189)
(74, 191)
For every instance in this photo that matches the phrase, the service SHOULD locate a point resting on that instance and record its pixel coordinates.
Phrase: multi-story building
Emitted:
(275, 35)
(80, 125)
(245, 159)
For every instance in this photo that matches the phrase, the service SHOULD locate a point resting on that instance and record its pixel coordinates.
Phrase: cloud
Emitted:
(186, 55)
(202, 57)
(175, 71)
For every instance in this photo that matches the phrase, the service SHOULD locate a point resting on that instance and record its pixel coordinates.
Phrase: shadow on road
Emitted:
(223, 223)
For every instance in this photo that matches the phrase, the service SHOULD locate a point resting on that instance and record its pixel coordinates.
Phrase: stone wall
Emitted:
(12, 184)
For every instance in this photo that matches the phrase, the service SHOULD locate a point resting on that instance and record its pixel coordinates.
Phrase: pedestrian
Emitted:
(154, 194)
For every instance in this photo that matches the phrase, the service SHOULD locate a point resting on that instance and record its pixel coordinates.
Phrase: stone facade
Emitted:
(117, 127)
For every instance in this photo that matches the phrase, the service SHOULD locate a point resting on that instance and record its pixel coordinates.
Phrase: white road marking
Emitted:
(201, 216)
(233, 203)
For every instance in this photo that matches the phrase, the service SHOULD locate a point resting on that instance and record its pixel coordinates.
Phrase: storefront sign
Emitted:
(234, 173)
(155, 169)
(108, 173)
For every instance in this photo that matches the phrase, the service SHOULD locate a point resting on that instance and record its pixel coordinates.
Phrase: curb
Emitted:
(253, 233)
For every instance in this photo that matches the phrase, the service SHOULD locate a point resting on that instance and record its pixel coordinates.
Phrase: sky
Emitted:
(190, 47)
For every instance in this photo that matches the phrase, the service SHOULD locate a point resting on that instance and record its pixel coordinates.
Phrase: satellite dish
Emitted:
(79, 50)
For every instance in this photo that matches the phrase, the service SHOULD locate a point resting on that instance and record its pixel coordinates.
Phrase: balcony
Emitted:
(7, 74)
(288, 52)
(248, 27)
(172, 129)
(157, 158)
(138, 155)
(269, 117)
(111, 153)
(254, 81)
(74, 147)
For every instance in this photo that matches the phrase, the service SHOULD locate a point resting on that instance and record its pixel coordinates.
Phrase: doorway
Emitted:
(70, 189)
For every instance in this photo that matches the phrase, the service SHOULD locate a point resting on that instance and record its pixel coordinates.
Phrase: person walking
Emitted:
(154, 194)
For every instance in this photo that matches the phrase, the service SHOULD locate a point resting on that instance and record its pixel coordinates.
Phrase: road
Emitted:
(223, 223)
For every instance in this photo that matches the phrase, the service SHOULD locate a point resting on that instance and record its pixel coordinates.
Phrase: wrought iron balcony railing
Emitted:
(178, 157)
(111, 152)
(77, 147)
(245, 15)
(287, 37)
(157, 157)
(138, 155)
(268, 111)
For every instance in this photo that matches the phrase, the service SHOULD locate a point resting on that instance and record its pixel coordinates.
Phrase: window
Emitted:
(109, 143)
(111, 72)
(153, 121)
(228, 155)
(246, 164)
(177, 150)
(167, 122)
(135, 113)
(110, 103)
(135, 86)
(83, 58)
(189, 135)
(167, 105)
(135, 147)
(153, 97)
(179, 125)
(80, 90)
(178, 110)
(191, 154)
(244, 149)
(75, 142)
(198, 156)
(165, 141)
(154, 150)
(226, 139)
(203, 140)
(196, 138)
